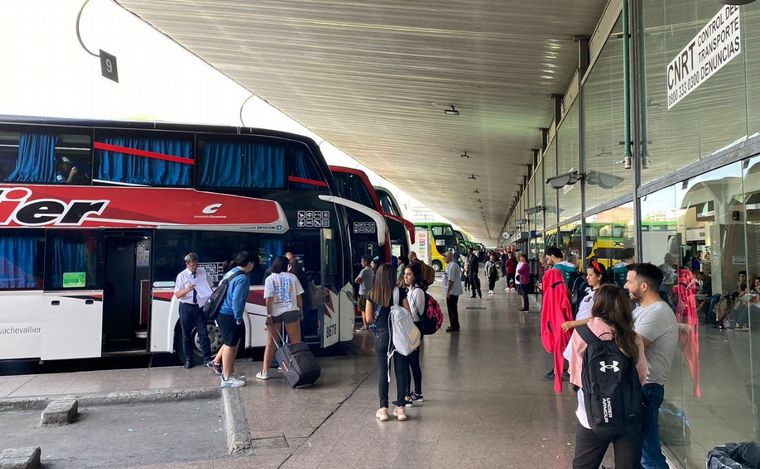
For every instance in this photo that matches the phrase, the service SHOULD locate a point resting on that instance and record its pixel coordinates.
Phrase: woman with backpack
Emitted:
(415, 303)
(379, 303)
(605, 413)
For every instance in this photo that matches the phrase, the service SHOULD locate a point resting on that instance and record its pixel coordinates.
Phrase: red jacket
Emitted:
(555, 310)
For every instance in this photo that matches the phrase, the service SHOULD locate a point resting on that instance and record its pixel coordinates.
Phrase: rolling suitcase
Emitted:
(297, 363)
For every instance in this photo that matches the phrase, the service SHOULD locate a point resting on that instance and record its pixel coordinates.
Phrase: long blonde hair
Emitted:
(382, 290)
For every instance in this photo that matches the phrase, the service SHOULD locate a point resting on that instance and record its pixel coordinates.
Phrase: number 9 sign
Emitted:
(108, 66)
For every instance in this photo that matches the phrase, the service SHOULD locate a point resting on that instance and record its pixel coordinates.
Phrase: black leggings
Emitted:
(414, 371)
(491, 283)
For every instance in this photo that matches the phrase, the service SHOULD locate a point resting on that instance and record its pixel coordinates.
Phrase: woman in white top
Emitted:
(415, 303)
(283, 294)
(596, 275)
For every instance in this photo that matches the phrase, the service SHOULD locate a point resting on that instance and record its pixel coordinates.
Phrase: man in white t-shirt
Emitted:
(655, 322)
(452, 288)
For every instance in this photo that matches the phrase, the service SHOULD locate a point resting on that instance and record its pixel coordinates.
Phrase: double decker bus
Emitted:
(400, 230)
(96, 217)
(353, 184)
(433, 239)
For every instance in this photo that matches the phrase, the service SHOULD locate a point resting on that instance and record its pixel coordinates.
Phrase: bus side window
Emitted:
(170, 248)
(137, 159)
(241, 164)
(44, 157)
(21, 259)
(74, 260)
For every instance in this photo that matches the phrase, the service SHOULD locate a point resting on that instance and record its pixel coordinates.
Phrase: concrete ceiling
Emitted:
(373, 78)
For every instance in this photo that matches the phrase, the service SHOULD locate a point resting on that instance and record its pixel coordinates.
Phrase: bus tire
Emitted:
(215, 339)
(437, 266)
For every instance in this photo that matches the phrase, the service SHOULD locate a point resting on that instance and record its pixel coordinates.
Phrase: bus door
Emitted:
(126, 291)
(305, 245)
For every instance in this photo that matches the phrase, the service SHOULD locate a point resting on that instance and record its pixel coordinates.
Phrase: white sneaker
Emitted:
(261, 375)
(232, 382)
(382, 414)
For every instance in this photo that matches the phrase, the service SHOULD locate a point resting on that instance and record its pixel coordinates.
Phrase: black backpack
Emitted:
(577, 288)
(611, 388)
(211, 307)
(493, 271)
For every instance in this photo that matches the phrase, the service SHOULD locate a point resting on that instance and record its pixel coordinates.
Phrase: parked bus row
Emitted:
(96, 217)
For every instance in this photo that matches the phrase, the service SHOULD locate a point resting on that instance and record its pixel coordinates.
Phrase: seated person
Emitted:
(69, 172)
(748, 306)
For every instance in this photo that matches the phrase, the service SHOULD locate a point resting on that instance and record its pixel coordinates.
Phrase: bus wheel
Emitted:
(214, 336)
(437, 266)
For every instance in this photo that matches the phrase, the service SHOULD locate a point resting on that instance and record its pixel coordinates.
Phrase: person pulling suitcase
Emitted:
(283, 294)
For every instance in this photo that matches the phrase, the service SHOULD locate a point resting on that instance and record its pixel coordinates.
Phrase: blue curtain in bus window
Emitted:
(72, 256)
(244, 165)
(17, 257)
(150, 170)
(302, 167)
(36, 158)
(269, 248)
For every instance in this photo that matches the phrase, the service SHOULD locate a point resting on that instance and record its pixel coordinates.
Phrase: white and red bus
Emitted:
(353, 184)
(96, 217)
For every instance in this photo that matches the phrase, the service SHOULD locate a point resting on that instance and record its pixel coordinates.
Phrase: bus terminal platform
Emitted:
(486, 404)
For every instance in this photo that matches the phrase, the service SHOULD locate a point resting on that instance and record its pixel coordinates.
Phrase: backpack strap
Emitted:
(586, 334)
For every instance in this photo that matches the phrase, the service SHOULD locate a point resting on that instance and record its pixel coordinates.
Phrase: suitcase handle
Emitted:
(272, 329)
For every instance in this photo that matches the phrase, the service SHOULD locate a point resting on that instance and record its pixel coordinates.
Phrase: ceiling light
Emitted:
(476, 191)
(464, 155)
(473, 177)
(735, 2)
(451, 111)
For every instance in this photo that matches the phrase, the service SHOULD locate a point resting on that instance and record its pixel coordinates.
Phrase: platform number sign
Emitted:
(108, 66)
(313, 219)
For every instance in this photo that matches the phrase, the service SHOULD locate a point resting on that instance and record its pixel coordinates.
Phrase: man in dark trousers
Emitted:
(192, 288)
(472, 272)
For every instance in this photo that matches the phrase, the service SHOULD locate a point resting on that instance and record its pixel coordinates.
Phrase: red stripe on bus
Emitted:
(312, 182)
(147, 154)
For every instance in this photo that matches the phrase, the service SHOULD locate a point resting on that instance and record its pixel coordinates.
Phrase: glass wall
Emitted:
(703, 234)
(714, 114)
(568, 159)
(604, 129)
(550, 195)
(751, 50)
(609, 234)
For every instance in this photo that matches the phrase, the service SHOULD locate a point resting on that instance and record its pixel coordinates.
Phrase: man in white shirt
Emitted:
(655, 322)
(452, 288)
(192, 288)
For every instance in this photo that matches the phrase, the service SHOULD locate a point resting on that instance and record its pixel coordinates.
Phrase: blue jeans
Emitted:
(651, 453)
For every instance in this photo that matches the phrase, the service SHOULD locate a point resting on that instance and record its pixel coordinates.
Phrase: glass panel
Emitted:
(301, 166)
(604, 127)
(610, 239)
(571, 240)
(44, 157)
(750, 26)
(714, 115)
(695, 232)
(74, 260)
(351, 187)
(21, 259)
(550, 194)
(242, 164)
(568, 160)
(137, 159)
(169, 253)
(538, 180)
